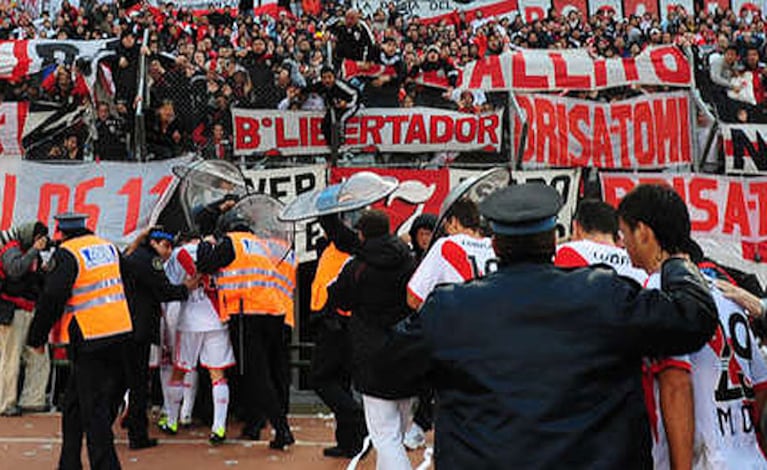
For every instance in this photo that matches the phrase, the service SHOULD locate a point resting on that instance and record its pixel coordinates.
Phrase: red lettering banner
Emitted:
(118, 197)
(650, 131)
(385, 129)
(13, 116)
(729, 210)
(419, 192)
(576, 69)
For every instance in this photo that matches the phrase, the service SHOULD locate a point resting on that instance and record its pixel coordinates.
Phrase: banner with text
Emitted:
(419, 192)
(117, 197)
(566, 181)
(26, 57)
(650, 131)
(13, 116)
(433, 11)
(386, 129)
(745, 148)
(731, 210)
(286, 184)
(576, 69)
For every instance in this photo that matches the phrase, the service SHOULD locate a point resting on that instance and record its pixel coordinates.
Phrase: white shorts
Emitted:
(212, 348)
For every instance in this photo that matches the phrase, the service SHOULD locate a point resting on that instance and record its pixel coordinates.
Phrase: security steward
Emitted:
(547, 373)
(148, 288)
(84, 290)
(248, 294)
(331, 368)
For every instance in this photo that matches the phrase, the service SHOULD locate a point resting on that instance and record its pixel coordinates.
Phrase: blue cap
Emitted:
(522, 209)
(70, 221)
(161, 235)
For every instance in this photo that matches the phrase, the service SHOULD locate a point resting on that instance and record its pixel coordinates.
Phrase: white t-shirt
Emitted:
(725, 375)
(588, 252)
(453, 259)
(198, 312)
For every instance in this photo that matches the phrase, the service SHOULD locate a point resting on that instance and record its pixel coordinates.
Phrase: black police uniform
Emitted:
(96, 379)
(147, 287)
(258, 387)
(540, 367)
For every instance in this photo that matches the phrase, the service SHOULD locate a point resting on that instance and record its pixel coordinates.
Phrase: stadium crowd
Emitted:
(204, 62)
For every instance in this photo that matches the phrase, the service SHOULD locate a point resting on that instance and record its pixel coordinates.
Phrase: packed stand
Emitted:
(203, 63)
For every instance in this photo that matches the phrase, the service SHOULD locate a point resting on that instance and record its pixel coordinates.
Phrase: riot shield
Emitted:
(204, 182)
(261, 213)
(476, 188)
(360, 190)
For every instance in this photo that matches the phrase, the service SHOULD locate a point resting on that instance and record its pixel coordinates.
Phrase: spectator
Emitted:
(435, 68)
(354, 39)
(723, 70)
(341, 103)
(69, 149)
(383, 90)
(111, 136)
(164, 135)
(219, 146)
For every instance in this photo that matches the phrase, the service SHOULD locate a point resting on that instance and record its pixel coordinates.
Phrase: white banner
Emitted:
(745, 148)
(385, 129)
(436, 10)
(546, 70)
(566, 181)
(650, 131)
(285, 184)
(117, 197)
(21, 58)
(13, 116)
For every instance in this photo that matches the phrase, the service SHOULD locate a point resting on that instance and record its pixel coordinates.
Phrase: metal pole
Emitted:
(517, 158)
(141, 101)
(241, 339)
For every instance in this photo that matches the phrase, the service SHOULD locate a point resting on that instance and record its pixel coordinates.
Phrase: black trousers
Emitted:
(90, 407)
(137, 362)
(258, 343)
(332, 380)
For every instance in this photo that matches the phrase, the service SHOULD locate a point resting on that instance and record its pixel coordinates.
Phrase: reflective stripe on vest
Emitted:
(250, 281)
(97, 301)
(329, 267)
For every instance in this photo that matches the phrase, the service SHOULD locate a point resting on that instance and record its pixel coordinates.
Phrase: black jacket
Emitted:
(539, 367)
(372, 286)
(52, 302)
(147, 287)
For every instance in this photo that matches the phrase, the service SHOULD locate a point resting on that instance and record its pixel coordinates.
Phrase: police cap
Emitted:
(70, 221)
(522, 209)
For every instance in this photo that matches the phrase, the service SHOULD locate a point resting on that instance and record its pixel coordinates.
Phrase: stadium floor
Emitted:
(32, 442)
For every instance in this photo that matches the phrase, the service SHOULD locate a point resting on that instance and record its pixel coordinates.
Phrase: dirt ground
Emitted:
(32, 442)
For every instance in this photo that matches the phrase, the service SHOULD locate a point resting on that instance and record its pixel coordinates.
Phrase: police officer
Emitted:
(248, 292)
(331, 368)
(85, 291)
(547, 361)
(148, 287)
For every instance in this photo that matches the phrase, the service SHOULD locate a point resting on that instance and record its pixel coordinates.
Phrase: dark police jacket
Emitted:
(147, 287)
(536, 367)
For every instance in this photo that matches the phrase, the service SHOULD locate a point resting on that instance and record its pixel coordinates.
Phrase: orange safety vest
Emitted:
(98, 301)
(329, 267)
(249, 281)
(285, 275)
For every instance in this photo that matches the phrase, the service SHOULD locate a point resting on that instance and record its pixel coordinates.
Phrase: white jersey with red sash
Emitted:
(587, 252)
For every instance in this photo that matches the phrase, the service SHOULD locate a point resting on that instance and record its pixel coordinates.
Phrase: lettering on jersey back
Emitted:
(734, 385)
(98, 255)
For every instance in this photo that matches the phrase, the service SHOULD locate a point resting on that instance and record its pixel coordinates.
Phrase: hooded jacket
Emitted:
(372, 285)
(21, 277)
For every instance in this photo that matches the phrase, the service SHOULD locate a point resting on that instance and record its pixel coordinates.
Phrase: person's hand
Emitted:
(342, 104)
(123, 62)
(176, 136)
(145, 51)
(742, 297)
(226, 205)
(192, 282)
(40, 243)
(39, 350)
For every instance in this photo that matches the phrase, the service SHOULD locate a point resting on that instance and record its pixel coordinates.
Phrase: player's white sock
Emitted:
(220, 403)
(190, 393)
(175, 395)
(166, 370)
